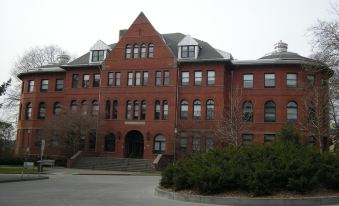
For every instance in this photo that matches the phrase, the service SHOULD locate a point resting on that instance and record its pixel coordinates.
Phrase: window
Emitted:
(183, 142)
(185, 78)
(85, 81)
(270, 111)
(247, 139)
(209, 141)
(311, 140)
(248, 80)
(128, 110)
(110, 79)
(159, 144)
(30, 86)
(75, 80)
(196, 142)
(137, 78)
(130, 79)
(145, 79)
(107, 109)
(247, 111)
(96, 80)
(157, 110)
(143, 51)
(197, 78)
(42, 110)
(110, 143)
(210, 78)
(310, 79)
(188, 51)
(166, 78)
(117, 79)
(291, 80)
(84, 107)
(136, 51)
(184, 109)
(269, 80)
(28, 111)
(95, 108)
(165, 110)
(59, 85)
(151, 50)
(136, 110)
(143, 110)
(57, 108)
(74, 106)
(128, 51)
(98, 55)
(269, 138)
(292, 112)
(44, 85)
(210, 109)
(157, 78)
(196, 109)
(115, 110)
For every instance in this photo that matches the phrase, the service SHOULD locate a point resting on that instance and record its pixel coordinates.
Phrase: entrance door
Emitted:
(134, 145)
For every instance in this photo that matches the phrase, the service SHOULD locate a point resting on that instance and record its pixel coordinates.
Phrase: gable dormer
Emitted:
(188, 48)
(98, 52)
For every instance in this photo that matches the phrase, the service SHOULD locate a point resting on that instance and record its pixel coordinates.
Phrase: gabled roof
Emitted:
(100, 45)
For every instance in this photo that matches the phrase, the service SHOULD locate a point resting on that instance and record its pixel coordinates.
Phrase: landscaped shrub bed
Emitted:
(261, 169)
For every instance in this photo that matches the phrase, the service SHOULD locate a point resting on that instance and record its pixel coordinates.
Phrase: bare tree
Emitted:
(235, 119)
(66, 131)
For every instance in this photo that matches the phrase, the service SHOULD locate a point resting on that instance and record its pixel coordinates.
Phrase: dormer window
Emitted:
(98, 55)
(188, 51)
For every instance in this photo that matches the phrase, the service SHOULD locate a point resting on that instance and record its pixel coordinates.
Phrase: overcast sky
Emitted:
(246, 28)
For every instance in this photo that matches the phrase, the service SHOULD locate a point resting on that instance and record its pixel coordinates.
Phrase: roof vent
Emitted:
(280, 47)
(63, 59)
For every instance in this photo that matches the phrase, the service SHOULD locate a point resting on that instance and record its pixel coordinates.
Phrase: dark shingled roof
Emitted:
(283, 55)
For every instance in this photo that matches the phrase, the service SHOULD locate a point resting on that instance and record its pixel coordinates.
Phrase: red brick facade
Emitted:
(178, 133)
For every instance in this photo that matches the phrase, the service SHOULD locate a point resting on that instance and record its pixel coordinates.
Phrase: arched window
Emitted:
(95, 108)
(57, 108)
(136, 110)
(157, 110)
(159, 144)
(143, 110)
(292, 112)
(150, 50)
(42, 110)
(143, 51)
(210, 109)
(128, 110)
(115, 110)
(135, 51)
(270, 111)
(248, 111)
(107, 109)
(197, 109)
(84, 107)
(165, 110)
(28, 111)
(184, 109)
(74, 106)
(128, 51)
(110, 143)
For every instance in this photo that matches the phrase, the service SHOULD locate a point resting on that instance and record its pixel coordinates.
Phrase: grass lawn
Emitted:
(16, 170)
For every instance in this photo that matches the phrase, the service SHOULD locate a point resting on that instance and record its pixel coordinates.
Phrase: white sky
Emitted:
(246, 28)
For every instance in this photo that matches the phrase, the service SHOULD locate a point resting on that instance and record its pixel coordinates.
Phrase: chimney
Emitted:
(63, 59)
(122, 32)
(280, 47)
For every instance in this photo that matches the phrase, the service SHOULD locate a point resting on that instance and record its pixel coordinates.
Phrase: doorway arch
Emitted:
(134, 144)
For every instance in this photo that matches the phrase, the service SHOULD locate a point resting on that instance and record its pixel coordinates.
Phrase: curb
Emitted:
(24, 179)
(239, 201)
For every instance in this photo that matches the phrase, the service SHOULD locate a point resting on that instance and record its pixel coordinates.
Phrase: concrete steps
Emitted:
(115, 164)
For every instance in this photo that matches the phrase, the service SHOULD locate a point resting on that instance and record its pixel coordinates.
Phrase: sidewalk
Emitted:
(73, 171)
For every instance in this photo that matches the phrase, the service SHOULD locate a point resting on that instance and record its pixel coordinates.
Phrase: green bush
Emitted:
(259, 169)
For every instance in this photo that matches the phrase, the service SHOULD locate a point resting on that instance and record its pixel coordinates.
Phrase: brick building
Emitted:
(159, 93)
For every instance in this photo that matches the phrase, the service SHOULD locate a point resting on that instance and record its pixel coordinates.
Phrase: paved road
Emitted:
(85, 190)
